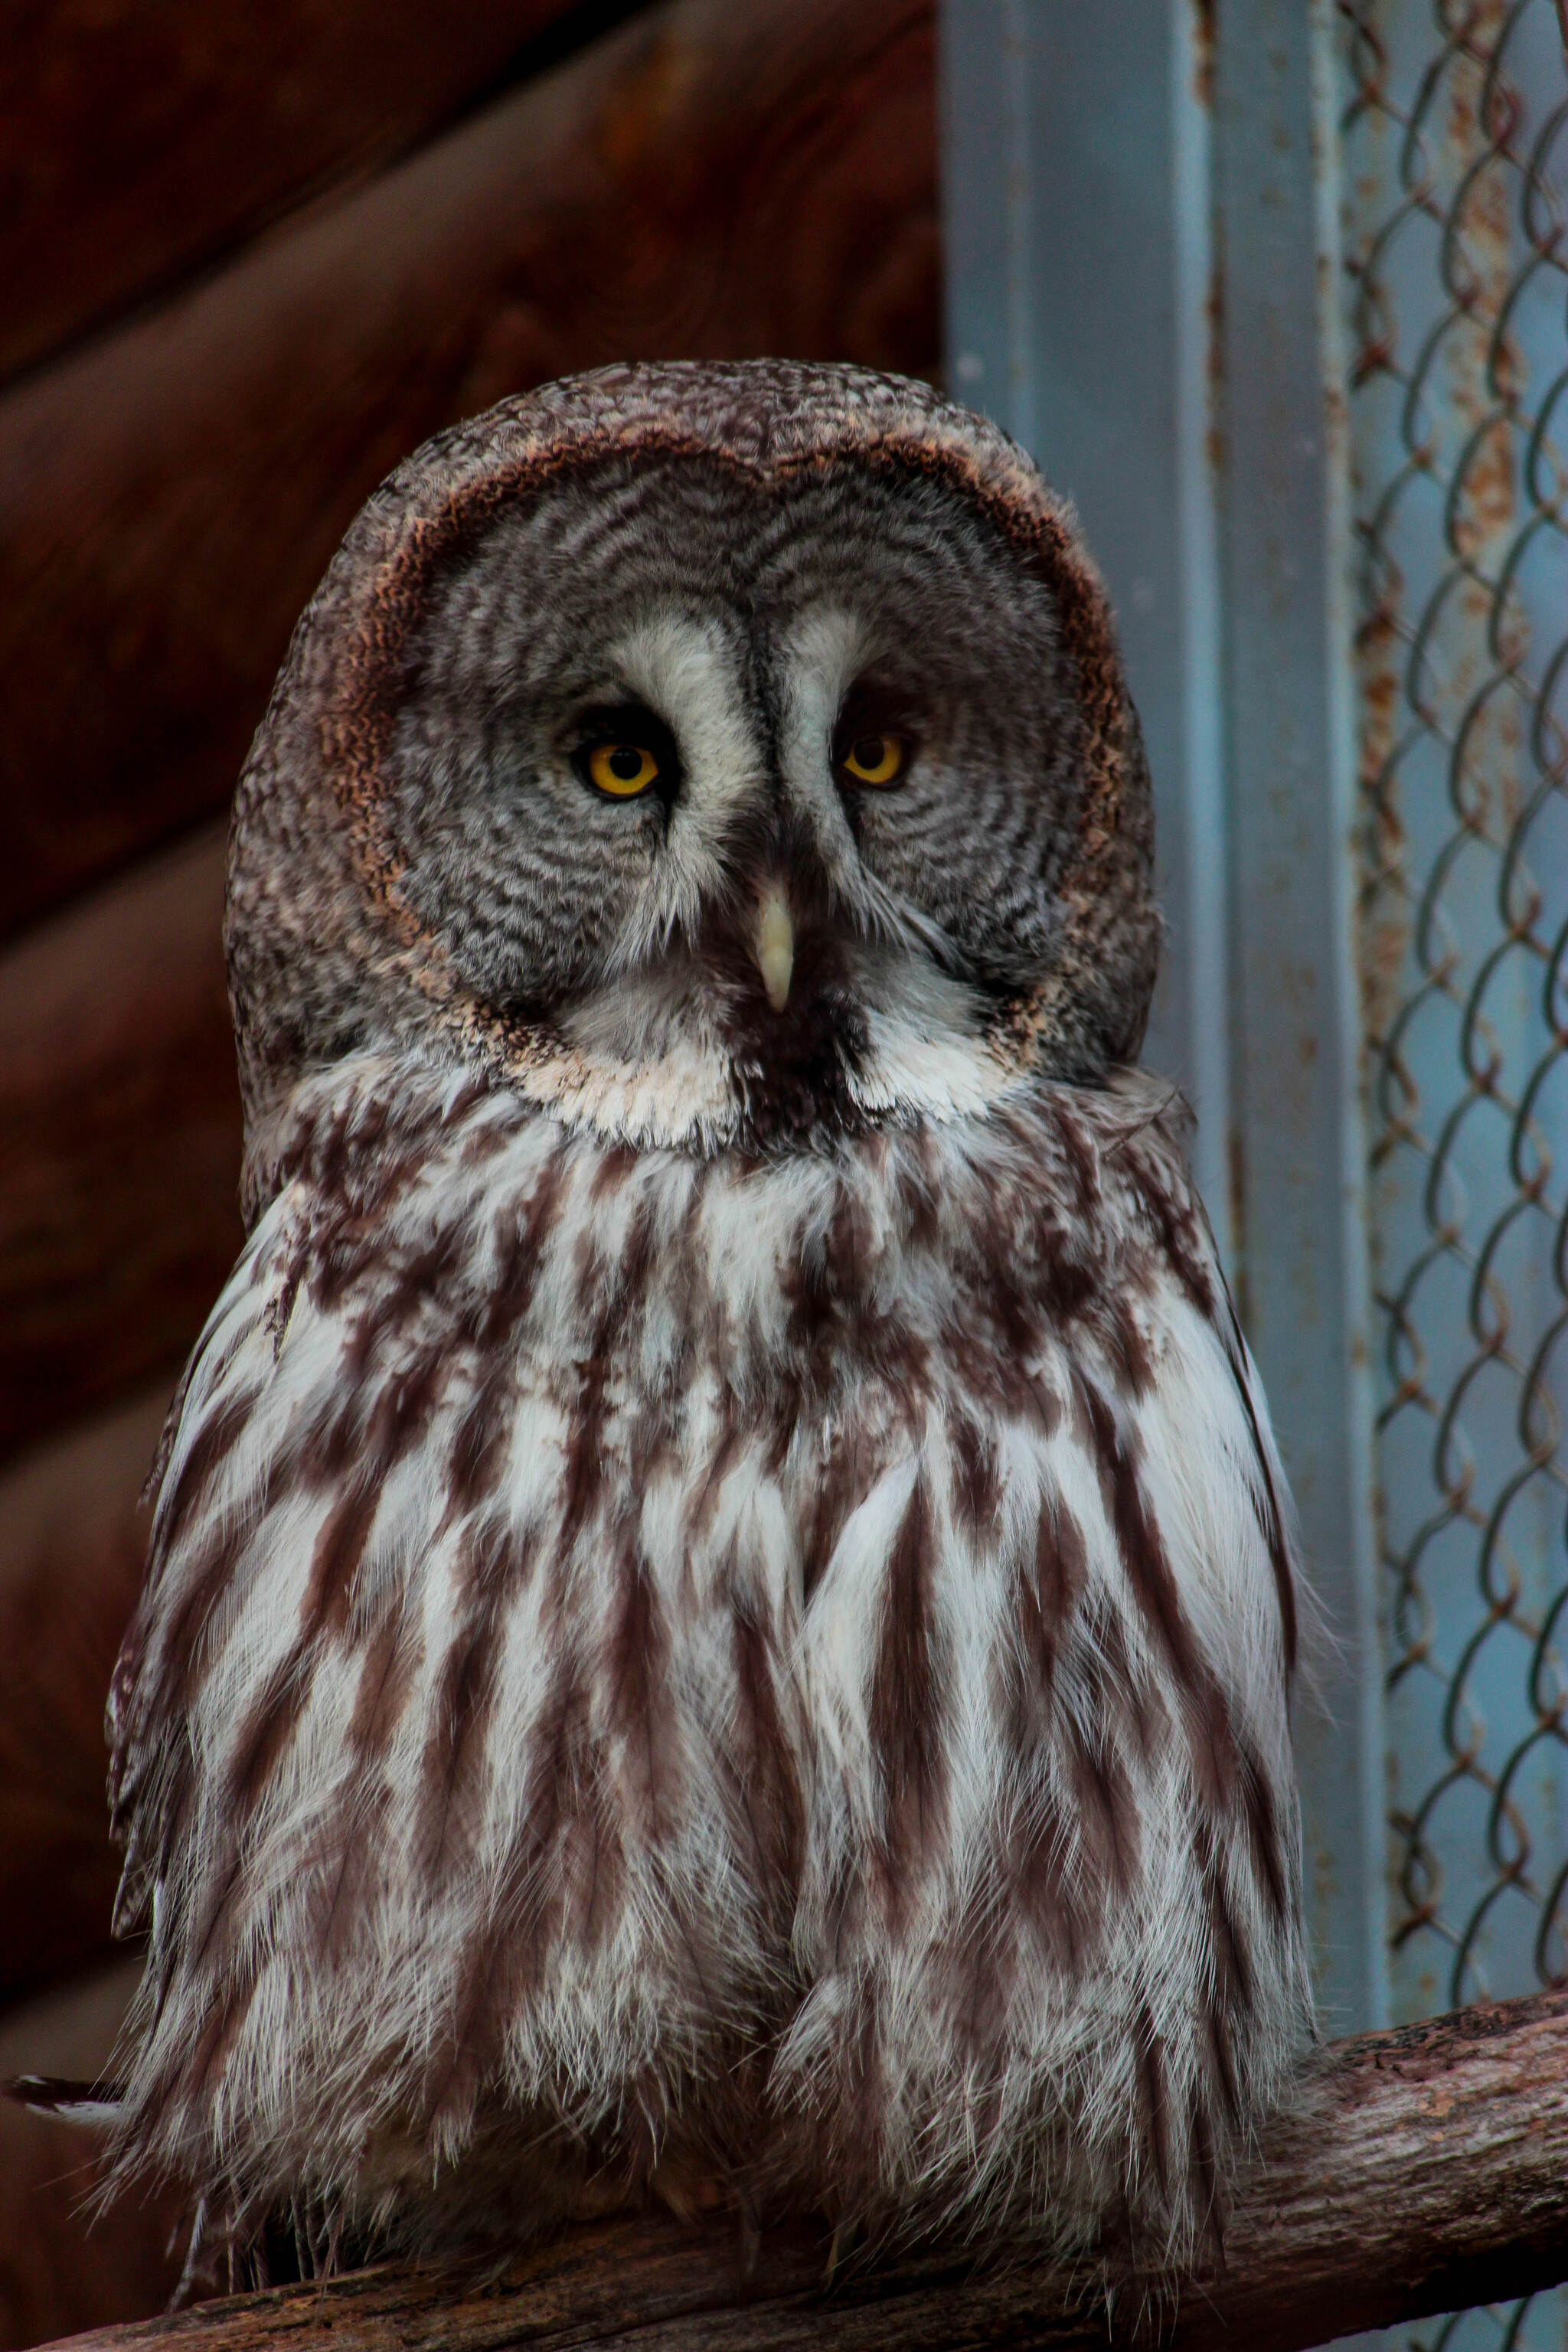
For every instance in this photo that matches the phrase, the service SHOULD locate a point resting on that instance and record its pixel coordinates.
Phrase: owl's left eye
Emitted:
(626, 754)
(874, 742)
(878, 760)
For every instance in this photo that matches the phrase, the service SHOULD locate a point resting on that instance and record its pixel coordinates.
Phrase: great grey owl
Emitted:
(721, 1609)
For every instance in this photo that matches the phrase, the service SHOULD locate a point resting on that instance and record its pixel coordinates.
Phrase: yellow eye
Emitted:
(622, 769)
(876, 758)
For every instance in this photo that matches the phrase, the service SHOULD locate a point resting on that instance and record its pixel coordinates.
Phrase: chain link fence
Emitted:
(1455, 158)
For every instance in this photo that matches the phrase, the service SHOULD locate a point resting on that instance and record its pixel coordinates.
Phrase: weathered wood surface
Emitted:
(713, 179)
(1426, 2169)
(118, 1139)
(72, 1538)
(139, 138)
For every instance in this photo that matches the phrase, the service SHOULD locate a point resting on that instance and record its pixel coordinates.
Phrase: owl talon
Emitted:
(688, 2194)
(845, 2236)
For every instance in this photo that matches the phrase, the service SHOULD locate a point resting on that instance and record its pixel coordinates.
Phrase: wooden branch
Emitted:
(720, 177)
(57, 2273)
(142, 140)
(72, 1540)
(1426, 2169)
(119, 1141)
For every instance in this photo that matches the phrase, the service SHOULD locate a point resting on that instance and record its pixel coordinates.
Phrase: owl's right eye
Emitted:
(622, 768)
(625, 754)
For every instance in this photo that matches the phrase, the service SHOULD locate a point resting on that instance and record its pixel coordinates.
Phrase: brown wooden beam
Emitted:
(1423, 2170)
(72, 1538)
(720, 177)
(118, 1139)
(141, 138)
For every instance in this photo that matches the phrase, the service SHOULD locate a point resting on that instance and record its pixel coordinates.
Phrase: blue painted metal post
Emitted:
(1078, 274)
(1295, 993)
(1141, 223)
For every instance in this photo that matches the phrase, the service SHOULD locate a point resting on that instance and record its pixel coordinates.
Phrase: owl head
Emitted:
(724, 755)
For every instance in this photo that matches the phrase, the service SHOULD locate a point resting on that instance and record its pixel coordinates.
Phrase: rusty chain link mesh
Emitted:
(1455, 155)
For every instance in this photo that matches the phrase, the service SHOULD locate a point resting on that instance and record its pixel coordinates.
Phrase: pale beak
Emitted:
(773, 945)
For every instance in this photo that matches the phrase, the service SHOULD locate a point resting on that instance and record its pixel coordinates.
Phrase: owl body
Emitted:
(721, 1601)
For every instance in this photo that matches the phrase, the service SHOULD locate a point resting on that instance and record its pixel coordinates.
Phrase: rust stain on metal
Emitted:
(1235, 1167)
(1214, 363)
(1203, 14)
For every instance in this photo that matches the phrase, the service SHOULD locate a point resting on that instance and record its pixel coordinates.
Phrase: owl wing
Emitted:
(1052, 1906)
(419, 1790)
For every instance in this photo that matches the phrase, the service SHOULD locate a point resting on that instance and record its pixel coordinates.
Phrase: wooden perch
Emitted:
(1424, 2170)
(57, 2274)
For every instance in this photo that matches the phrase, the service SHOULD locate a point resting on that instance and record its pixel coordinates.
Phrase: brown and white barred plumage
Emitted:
(672, 1657)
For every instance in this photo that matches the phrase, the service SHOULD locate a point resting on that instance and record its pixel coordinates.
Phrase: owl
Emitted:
(720, 1617)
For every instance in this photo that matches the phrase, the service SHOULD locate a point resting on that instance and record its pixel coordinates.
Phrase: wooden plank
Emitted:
(141, 138)
(119, 1135)
(1424, 2170)
(721, 177)
(72, 1539)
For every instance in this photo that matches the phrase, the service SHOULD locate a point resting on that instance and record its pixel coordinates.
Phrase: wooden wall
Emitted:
(251, 255)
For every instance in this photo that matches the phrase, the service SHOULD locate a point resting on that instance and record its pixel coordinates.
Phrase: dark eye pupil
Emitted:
(625, 762)
(869, 751)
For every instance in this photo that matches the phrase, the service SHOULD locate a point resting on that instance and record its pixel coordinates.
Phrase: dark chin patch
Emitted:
(793, 1068)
